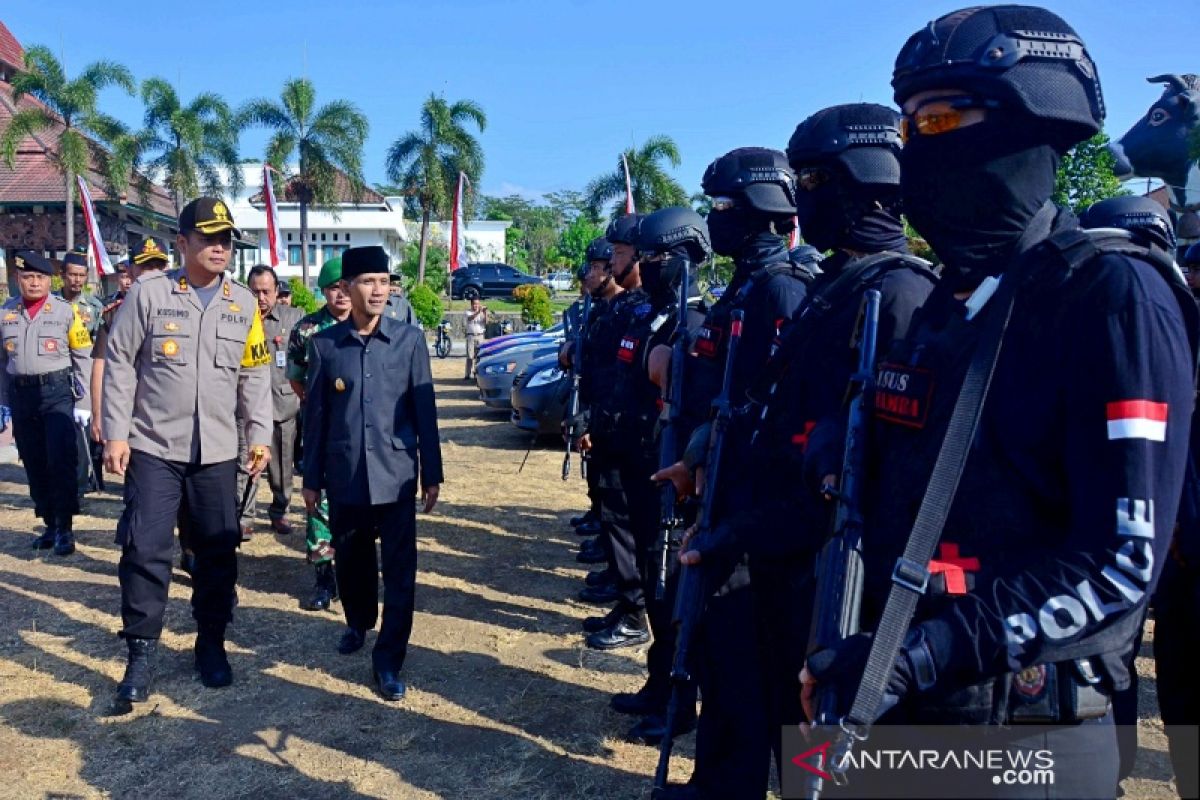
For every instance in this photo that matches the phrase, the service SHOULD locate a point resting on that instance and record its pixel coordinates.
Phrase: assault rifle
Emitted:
(572, 412)
(839, 566)
(689, 599)
(668, 519)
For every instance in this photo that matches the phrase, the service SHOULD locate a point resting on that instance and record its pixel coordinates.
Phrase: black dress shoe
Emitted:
(389, 685)
(46, 540)
(211, 661)
(599, 595)
(595, 624)
(591, 553)
(629, 631)
(598, 577)
(651, 729)
(352, 641)
(139, 670)
(642, 703)
(582, 518)
(64, 542)
(588, 528)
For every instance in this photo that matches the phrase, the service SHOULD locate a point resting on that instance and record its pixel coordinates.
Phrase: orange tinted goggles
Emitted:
(940, 115)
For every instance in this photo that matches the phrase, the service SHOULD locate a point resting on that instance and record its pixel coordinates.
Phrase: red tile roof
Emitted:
(10, 49)
(342, 188)
(35, 178)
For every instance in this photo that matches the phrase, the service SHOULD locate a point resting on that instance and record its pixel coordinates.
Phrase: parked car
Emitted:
(539, 397)
(501, 343)
(559, 281)
(487, 280)
(494, 374)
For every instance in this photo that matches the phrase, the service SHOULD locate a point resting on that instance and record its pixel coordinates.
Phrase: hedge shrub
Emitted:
(426, 305)
(535, 304)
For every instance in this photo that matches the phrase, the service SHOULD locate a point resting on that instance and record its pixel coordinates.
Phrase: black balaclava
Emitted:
(843, 214)
(973, 192)
(660, 279)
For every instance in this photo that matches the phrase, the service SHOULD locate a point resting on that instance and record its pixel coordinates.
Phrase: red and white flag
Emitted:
(1137, 419)
(458, 248)
(274, 236)
(99, 254)
(794, 239)
(629, 209)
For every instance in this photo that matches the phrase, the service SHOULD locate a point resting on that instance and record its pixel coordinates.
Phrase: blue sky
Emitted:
(567, 84)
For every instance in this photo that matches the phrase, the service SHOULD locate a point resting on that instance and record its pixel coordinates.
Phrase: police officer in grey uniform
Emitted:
(90, 308)
(398, 306)
(186, 354)
(278, 321)
(44, 361)
(370, 436)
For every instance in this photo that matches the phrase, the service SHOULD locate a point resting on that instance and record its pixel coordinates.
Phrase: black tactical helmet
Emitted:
(1138, 215)
(805, 255)
(599, 250)
(1191, 256)
(864, 138)
(760, 175)
(1025, 57)
(624, 229)
(669, 228)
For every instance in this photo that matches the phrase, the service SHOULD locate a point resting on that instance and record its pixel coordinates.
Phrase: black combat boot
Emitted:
(628, 631)
(46, 540)
(211, 660)
(139, 670)
(64, 540)
(325, 590)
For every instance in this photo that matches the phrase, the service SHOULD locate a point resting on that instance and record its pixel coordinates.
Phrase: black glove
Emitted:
(841, 668)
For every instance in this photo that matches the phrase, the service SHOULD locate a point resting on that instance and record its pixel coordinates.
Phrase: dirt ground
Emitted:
(503, 700)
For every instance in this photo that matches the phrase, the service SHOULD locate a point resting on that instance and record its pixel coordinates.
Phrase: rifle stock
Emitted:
(689, 599)
(839, 565)
(572, 411)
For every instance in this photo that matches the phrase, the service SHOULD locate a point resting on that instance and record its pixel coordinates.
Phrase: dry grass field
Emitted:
(503, 700)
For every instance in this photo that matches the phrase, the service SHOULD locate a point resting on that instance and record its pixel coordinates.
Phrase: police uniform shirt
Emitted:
(278, 325)
(1065, 509)
(180, 372)
(54, 340)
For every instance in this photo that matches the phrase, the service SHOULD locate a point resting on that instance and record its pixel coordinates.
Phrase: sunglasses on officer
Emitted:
(940, 115)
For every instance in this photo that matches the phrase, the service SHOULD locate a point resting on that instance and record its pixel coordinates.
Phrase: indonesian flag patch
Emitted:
(1137, 419)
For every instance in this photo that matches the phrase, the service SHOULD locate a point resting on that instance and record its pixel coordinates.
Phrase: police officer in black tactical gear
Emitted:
(753, 193)
(848, 202)
(671, 242)
(1190, 263)
(1035, 582)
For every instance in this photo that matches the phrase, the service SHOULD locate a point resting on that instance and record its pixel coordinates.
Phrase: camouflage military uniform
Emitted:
(317, 536)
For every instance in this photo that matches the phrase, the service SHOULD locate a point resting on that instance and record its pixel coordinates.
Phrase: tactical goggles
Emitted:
(940, 115)
(811, 178)
(723, 203)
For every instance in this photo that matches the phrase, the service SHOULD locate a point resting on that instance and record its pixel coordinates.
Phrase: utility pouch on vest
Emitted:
(1065, 692)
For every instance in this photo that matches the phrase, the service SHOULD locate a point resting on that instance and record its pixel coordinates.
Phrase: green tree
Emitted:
(303, 297)
(426, 162)
(187, 145)
(1085, 175)
(327, 140)
(437, 264)
(535, 304)
(73, 104)
(652, 187)
(575, 238)
(426, 305)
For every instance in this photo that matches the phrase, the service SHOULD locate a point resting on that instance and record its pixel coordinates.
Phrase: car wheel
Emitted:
(470, 293)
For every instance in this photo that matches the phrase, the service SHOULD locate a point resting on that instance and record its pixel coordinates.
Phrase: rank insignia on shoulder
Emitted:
(182, 284)
(225, 290)
(232, 306)
(340, 385)
(48, 306)
(11, 316)
(170, 347)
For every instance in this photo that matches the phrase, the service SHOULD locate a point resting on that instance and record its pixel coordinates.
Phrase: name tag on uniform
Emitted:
(902, 394)
(708, 340)
(280, 358)
(627, 350)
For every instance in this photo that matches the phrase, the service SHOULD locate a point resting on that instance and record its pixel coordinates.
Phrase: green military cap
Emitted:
(331, 273)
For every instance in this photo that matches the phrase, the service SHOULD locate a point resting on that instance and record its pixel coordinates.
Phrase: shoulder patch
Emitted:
(642, 310)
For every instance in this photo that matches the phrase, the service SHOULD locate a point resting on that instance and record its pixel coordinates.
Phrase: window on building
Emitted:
(312, 254)
(335, 250)
(347, 237)
(293, 254)
(322, 237)
(335, 237)
(289, 237)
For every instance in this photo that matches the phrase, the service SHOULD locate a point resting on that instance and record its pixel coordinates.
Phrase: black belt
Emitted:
(42, 379)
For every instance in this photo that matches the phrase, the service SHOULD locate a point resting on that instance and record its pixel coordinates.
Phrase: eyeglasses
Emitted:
(723, 203)
(810, 178)
(940, 115)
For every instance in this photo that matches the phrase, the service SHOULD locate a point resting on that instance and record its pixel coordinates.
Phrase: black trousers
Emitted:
(354, 529)
(155, 492)
(44, 431)
(732, 747)
(1176, 616)
(629, 512)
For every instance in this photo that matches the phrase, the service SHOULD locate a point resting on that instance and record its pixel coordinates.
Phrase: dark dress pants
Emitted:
(44, 432)
(156, 493)
(355, 529)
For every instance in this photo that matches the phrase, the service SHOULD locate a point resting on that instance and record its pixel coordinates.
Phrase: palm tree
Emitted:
(187, 145)
(328, 140)
(652, 187)
(73, 105)
(426, 162)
